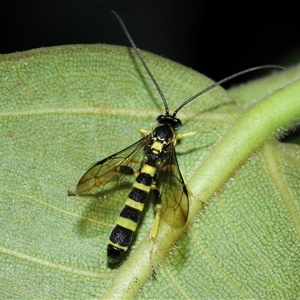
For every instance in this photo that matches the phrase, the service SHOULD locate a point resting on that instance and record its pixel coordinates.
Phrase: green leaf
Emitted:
(64, 108)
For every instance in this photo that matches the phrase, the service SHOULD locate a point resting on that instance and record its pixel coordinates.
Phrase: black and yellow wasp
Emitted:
(152, 160)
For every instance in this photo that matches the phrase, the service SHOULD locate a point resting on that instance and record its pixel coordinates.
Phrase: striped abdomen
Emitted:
(127, 222)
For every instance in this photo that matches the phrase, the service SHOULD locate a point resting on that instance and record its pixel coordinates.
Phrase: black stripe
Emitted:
(121, 236)
(138, 195)
(130, 213)
(114, 253)
(152, 159)
(145, 179)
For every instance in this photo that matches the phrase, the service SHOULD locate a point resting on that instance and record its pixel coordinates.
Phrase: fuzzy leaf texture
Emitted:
(64, 108)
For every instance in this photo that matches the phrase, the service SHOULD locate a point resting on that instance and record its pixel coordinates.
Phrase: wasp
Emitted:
(152, 161)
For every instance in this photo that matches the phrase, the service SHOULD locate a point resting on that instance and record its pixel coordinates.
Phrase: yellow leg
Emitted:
(153, 232)
(144, 132)
(154, 229)
(180, 136)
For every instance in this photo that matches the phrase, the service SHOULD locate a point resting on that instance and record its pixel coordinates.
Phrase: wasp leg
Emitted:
(181, 135)
(154, 229)
(158, 207)
(144, 132)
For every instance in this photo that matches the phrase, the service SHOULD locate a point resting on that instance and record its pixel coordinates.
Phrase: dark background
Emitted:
(214, 38)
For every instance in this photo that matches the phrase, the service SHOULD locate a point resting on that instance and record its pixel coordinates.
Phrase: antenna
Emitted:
(137, 51)
(225, 80)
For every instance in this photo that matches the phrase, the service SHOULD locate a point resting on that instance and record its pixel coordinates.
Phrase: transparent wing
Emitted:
(174, 193)
(113, 168)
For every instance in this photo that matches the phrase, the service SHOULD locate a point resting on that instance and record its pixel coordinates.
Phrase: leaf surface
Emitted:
(64, 108)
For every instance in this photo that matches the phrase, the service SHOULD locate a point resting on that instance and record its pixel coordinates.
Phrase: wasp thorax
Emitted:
(163, 133)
